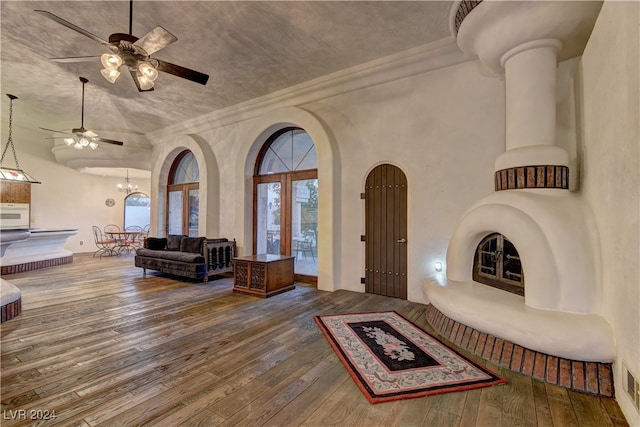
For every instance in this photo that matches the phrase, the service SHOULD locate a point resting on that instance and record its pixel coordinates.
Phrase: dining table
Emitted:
(126, 241)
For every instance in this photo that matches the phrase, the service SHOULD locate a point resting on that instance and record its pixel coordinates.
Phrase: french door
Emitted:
(286, 219)
(183, 209)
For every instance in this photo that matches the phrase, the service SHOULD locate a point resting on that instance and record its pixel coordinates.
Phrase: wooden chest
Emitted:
(263, 275)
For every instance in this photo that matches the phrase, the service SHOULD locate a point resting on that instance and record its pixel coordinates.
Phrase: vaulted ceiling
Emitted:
(248, 49)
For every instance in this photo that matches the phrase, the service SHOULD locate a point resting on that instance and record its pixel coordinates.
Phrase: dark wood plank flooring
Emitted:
(101, 344)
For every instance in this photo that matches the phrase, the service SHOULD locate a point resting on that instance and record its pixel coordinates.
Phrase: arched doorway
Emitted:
(183, 196)
(137, 211)
(286, 201)
(386, 232)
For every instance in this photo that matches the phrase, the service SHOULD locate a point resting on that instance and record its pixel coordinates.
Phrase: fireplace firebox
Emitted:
(497, 263)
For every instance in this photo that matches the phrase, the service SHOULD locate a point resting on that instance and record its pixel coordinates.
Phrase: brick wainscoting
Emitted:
(35, 265)
(587, 377)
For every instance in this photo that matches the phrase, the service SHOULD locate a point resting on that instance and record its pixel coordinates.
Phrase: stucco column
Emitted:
(530, 79)
(530, 92)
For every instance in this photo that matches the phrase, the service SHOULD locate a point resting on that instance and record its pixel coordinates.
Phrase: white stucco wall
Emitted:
(67, 199)
(443, 128)
(611, 174)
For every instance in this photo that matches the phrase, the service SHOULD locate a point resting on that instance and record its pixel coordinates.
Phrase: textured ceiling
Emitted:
(249, 49)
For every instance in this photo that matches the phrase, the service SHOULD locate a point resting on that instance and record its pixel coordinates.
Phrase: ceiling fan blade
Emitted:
(72, 26)
(109, 141)
(155, 40)
(57, 131)
(135, 80)
(185, 73)
(75, 59)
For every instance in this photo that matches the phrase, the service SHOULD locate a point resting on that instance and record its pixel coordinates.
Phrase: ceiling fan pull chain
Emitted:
(10, 140)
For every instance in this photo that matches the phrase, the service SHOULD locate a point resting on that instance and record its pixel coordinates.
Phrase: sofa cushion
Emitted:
(173, 242)
(192, 244)
(188, 257)
(157, 243)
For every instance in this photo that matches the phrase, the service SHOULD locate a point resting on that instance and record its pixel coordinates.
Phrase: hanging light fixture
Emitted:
(127, 187)
(83, 138)
(17, 174)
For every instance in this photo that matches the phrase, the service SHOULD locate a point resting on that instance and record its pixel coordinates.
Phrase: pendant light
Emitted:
(17, 174)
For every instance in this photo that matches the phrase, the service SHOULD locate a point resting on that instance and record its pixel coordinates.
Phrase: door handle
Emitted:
(403, 240)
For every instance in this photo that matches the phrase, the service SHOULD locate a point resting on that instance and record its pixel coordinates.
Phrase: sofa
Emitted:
(191, 257)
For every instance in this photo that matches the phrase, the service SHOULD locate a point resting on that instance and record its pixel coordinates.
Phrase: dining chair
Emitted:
(105, 244)
(111, 227)
(134, 240)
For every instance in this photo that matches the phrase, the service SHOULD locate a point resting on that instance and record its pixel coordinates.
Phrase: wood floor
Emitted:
(99, 344)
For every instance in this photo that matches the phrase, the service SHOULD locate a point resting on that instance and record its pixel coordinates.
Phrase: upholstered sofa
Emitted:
(192, 257)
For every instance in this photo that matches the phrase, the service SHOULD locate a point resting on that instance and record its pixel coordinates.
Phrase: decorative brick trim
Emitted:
(464, 8)
(35, 265)
(11, 310)
(540, 176)
(587, 377)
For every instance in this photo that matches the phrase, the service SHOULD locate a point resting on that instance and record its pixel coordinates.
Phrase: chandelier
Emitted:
(10, 174)
(127, 187)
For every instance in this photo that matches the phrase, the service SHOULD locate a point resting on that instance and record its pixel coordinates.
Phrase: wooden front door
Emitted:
(386, 232)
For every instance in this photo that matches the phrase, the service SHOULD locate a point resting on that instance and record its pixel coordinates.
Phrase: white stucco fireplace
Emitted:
(550, 226)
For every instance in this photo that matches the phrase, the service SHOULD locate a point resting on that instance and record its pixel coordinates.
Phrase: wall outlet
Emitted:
(81, 242)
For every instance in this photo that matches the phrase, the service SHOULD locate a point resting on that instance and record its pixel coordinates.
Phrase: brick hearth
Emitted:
(35, 265)
(587, 377)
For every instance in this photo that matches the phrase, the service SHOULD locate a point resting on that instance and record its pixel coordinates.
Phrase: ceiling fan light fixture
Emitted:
(148, 70)
(111, 61)
(69, 141)
(110, 75)
(93, 145)
(144, 82)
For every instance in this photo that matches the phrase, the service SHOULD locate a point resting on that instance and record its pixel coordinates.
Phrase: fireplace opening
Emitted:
(497, 264)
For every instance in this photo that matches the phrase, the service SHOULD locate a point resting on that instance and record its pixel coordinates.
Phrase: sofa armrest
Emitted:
(218, 255)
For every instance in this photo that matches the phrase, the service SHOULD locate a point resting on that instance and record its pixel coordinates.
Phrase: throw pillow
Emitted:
(192, 244)
(173, 242)
(157, 243)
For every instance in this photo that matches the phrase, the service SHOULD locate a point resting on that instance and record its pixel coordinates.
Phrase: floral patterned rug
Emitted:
(390, 358)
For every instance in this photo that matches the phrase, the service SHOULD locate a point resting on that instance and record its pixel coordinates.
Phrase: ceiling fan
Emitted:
(135, 53)
(82, 137)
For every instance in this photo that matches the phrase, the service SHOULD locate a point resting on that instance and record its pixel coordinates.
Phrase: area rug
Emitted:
(390, 358)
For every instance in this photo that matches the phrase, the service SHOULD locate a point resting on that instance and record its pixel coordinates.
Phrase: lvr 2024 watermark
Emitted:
(31, 414)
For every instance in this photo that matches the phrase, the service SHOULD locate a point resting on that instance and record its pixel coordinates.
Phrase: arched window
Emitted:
(183, 198)
(137, 210)
(286, 200)
(497, 263)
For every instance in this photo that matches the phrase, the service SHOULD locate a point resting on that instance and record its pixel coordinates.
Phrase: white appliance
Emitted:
(14, 215)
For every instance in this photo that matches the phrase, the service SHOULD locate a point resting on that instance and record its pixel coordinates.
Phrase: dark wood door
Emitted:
(386, 232)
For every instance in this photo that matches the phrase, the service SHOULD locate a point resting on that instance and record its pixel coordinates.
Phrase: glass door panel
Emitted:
(175, 212)
(268, 216)
(304, 226)
(194, 209)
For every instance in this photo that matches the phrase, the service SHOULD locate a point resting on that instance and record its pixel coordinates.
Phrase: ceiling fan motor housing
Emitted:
(127, 50)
